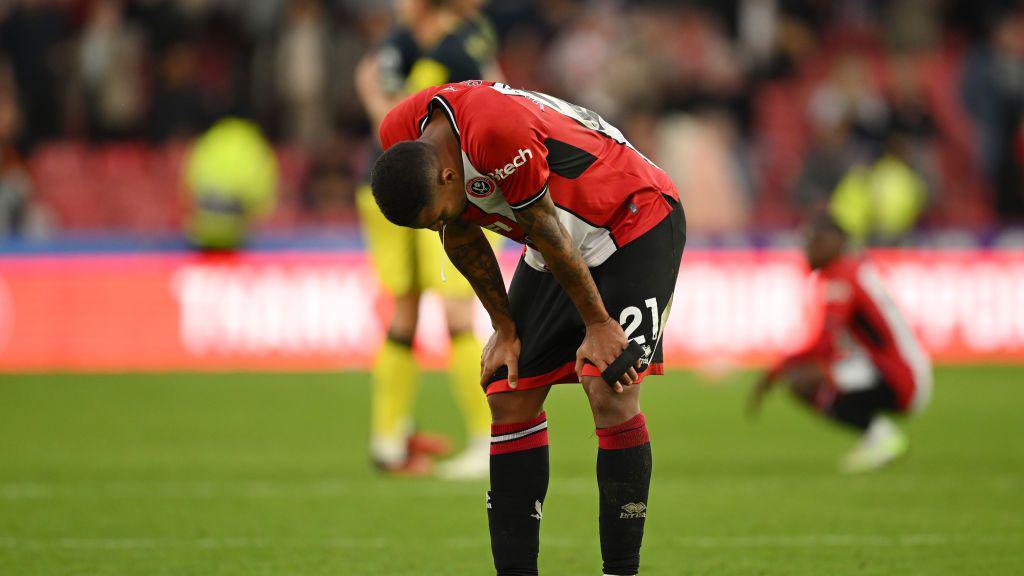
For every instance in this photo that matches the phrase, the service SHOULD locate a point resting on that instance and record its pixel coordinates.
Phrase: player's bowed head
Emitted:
(414, 187)
(824, 240)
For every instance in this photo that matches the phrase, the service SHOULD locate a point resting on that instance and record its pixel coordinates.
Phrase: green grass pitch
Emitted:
(267, 474)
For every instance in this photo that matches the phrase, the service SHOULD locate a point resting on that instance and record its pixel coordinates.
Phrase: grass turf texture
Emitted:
(267, 474)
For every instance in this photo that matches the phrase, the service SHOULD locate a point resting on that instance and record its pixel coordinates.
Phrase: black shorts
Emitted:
(859, 408)
(636, 284)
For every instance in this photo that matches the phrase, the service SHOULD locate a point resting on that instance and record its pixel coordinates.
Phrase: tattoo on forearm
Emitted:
(564, 261)
(476, 261)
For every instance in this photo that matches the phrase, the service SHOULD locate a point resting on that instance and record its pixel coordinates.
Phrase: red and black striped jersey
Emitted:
(518, 146)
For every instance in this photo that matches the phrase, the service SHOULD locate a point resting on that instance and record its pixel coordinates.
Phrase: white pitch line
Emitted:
(572, 486)
(779, 541)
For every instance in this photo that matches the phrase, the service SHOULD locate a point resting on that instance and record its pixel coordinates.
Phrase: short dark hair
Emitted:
(402, 181)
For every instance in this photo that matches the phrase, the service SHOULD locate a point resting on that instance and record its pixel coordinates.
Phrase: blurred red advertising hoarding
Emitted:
(325, 311)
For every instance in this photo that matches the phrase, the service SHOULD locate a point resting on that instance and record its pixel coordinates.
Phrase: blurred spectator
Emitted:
(329, 195)
(993, 90)
(19, 217)
(177, 107)
(31, 34)
(15, 186)
(851, 97)
(109, 62)
(909, 110)
(231, 175)
(833, 152)
(760, 108)
(1014, 184)
(582, 59)
(698, 152)
(881, 201)
(302, 69)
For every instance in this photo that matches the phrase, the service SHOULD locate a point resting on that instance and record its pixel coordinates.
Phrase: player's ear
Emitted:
(447, 176)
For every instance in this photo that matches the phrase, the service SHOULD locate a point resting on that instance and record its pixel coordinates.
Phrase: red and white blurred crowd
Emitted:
(760, 109)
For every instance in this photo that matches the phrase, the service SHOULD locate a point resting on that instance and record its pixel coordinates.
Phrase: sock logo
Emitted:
(634, 510)
(539, 514)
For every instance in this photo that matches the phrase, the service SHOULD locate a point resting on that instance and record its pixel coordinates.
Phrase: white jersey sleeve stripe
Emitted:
(440, 101)
(530, 201)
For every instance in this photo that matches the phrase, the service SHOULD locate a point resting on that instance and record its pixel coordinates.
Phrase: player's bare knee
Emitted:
(512, 407)
(610, 408)
(613, 413)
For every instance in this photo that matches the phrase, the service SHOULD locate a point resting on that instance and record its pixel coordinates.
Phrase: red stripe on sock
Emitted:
(629, 434)
(534, 440)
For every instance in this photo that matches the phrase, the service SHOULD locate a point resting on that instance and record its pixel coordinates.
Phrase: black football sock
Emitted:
(624, 479)
(519, 483)
(855, 410)
(849, 410)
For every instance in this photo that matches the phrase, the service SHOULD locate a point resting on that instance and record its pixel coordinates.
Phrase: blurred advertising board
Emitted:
(325, 310)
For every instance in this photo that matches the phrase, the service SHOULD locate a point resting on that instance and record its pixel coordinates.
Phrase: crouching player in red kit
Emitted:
(864, 363)
(603, 230)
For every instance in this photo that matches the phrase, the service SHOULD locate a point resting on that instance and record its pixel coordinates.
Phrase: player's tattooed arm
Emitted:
(469, 250)
(541, 224)
(605, 339)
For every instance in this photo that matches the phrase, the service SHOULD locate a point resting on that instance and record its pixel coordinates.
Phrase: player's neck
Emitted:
(438, 134)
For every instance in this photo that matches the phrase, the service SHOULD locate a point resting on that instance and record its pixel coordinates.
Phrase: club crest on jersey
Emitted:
(480, 187)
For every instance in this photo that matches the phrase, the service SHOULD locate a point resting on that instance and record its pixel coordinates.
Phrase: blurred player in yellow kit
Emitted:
(435, 42)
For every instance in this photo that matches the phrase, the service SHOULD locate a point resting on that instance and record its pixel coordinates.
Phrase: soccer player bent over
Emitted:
(865, 362)
(604, 233)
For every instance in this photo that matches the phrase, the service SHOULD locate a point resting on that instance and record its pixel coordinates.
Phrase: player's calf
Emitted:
(623, 474)
(519, 483)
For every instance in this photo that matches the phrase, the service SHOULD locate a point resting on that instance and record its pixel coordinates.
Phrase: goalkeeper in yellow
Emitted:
(435, 42)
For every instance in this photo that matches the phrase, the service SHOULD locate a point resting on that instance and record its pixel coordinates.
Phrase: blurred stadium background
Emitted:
(165, 410)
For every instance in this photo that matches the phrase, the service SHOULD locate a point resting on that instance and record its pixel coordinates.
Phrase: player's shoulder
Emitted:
(840, 279)
(845, 267)
(403, 122)
(494, 121)
(485, 118)
(855, 270)
(492, 109)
